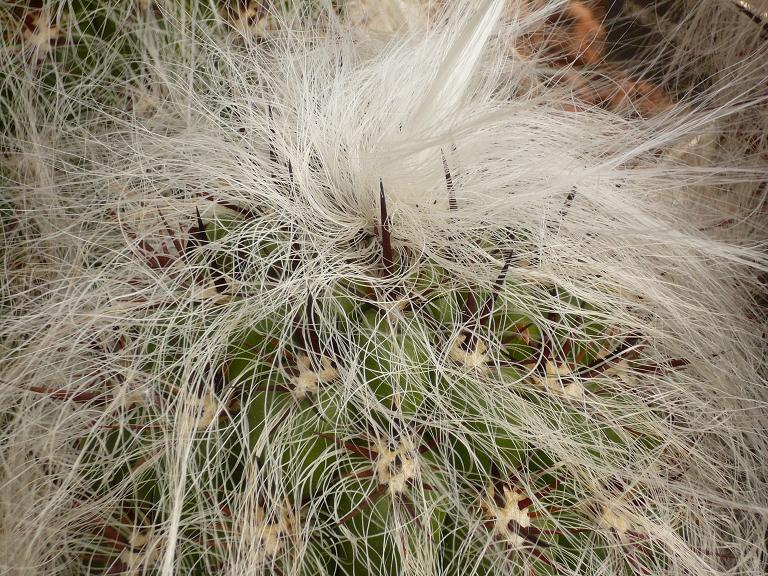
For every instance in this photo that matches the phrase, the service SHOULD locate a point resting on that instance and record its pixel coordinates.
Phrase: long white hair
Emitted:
(208, 204)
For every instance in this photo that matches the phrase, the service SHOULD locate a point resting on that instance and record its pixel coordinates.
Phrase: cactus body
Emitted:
(326, 304)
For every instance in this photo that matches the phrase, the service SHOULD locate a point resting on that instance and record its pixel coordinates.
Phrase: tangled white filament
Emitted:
(286, 139)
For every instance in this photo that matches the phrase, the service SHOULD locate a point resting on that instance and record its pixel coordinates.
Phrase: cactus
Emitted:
(316, 303)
